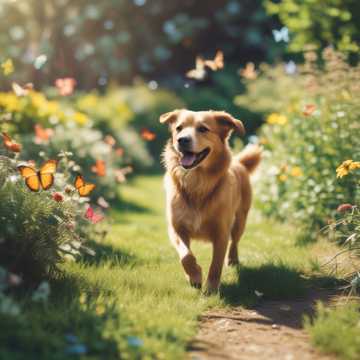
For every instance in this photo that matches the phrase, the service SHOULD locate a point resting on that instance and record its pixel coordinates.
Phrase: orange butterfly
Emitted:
(99, 168)
(147, 135)
(83, 188)
(10, 144)
(249, 71)
(36, 179)
(217, 63)
(65, 86)
(42, 134)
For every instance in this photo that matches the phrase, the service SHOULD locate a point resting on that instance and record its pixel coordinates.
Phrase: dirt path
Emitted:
(271, 330)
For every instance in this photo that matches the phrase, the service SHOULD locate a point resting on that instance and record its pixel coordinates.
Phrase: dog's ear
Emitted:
(228, 123)
(169, 117)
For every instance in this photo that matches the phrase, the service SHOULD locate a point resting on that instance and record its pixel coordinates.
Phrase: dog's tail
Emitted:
(250, 157)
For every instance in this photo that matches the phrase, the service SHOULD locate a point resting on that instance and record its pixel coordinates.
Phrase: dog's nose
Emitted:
(184, 141)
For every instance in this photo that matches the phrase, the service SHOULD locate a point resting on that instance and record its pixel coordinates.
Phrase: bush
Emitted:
(37, 229)
(314, 128)
(132, 109)
(336, 330)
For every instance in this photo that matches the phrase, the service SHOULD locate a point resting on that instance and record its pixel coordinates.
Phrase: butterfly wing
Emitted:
(83, 188)
(31, 177)
(199, 72)
(10, 144)
(219, 59)
(46, 174)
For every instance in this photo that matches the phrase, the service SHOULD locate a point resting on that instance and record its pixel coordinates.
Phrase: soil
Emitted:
(271, 330)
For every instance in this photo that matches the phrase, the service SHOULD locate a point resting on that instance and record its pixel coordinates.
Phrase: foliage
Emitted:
(103, 40)
(126, 111)
(312, 126)
(320, 23)
(37, 231)
(336, 330)
(219, 93)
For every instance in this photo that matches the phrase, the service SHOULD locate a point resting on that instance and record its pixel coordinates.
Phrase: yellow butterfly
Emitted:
(36, 179)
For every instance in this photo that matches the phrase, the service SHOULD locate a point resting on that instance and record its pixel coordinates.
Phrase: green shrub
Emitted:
(132, 108)
(315, 128)
(37, 231)
(336, 330)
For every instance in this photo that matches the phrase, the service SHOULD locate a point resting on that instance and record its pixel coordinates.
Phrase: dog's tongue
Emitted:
(188, 159)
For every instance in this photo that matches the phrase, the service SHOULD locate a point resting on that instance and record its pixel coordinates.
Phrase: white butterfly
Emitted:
(281, 35)
(199, 72)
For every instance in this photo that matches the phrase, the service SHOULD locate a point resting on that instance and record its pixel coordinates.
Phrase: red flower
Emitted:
(344, 207)
(58, 196)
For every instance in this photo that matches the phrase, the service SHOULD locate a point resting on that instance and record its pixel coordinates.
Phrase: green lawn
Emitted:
(132, 301)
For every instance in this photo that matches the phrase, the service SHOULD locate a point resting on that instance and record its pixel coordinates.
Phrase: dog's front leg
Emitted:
(181, 242)
(218, 256)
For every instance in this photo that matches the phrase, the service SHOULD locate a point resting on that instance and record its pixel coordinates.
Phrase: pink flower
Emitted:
(344, 207)
(58, 196)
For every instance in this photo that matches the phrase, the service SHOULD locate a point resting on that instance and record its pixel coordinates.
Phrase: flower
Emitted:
(309, 109)
(276, 119)
(65, 86)
(344, 207)
(345, 168)
(8, 67)
(80, 118)
(282, 177)
(110, 140)
(58, 196)
(296, 171)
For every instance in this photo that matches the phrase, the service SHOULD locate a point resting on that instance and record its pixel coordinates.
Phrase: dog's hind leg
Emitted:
(181, 242)
(236, 233)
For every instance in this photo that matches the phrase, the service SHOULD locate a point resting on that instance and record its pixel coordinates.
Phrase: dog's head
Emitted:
(200, 136)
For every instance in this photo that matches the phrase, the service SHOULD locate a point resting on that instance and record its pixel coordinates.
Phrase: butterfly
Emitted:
(249, 71)
(83, 188)
(36, 179)
(217, 63)
(10, 144)
(99, 168)
(147, 135)
(120, 174)
(281, 35)
(65, 86)
(199, 73)
(93, 216)
(42, 135)
(22, 90)
(40, 61)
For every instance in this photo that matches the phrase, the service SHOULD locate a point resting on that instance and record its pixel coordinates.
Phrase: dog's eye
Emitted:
(202, 129)
(178, 128)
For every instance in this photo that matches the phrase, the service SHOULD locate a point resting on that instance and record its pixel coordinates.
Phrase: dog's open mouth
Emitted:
(191, 159)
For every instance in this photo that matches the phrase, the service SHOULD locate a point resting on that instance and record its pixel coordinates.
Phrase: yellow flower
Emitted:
(80, 118)
(88, 102)
(8, 67)
(276, 119)
(82, 299)
(100, 310)
(282, 177)
(347, 166)
(10, 102)
(296, 171)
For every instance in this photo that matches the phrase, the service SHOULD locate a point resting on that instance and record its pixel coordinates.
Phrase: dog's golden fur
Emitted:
(211, 200)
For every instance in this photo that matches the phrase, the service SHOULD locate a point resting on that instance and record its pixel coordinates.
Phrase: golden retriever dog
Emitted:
(208, 192)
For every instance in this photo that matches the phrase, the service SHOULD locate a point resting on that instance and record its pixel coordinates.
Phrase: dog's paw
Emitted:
(211, 289)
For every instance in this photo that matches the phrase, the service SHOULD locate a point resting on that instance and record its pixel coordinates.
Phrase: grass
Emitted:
(336, 330)
(132, 301)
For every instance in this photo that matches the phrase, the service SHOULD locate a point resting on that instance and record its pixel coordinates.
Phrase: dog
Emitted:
(208, 191)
